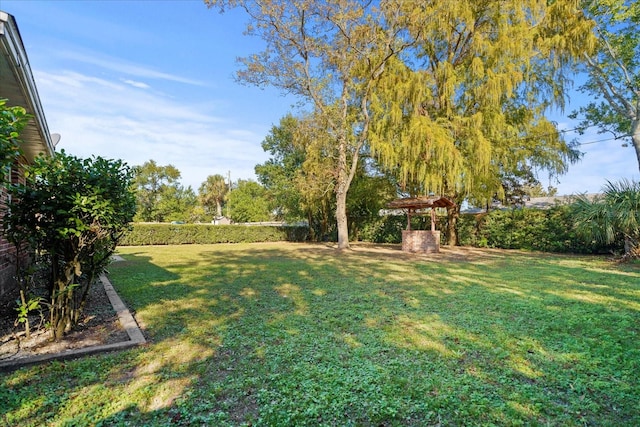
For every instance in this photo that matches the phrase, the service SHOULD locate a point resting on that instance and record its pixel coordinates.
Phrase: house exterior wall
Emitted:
(8, 256)
(18, 86)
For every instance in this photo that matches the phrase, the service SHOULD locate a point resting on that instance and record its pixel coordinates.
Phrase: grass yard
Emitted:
(302, 335)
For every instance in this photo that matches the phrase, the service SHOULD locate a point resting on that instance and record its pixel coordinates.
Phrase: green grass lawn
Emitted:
(298, 334)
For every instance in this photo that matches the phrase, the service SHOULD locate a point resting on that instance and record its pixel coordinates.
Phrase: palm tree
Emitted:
(212, 192)
(615, 213)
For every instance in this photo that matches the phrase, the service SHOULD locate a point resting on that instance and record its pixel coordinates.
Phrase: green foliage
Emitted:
(177, 204)
(519, 229)
(24, 306)
(157, 191)
(169, 234)
(70, 214)
(212, 193)
(385, 229)
(613, 70)
(446, 95)
(550, 230)
(279, 173)
(614, 215)
(248, 202)
(367, 196)
(330, 54)
(12, 121)
(465, 114)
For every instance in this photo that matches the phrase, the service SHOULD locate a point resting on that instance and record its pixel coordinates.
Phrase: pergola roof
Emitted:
(415, 203)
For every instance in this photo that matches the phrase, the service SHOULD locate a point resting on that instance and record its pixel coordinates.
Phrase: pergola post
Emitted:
(433, 219)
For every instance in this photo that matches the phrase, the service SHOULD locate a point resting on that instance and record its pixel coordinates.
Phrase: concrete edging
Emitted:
(124, 317)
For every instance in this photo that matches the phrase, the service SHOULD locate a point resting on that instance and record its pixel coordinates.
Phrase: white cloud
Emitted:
(139, 85)
(604, 159)
(120, 66)
(113, 119)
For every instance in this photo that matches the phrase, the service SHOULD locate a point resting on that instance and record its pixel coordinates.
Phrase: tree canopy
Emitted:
(212, 193)
(330, 54)
(467, 108)
(248, 202)
(153, 183)
(613, 70)
(279, 172)
(450, 96)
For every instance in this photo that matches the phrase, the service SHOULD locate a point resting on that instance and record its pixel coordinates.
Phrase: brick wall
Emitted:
(426, 241)
(7, 250)
(7, 255)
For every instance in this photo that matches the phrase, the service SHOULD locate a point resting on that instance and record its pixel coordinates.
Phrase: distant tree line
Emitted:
(295, 184)
(160, 197)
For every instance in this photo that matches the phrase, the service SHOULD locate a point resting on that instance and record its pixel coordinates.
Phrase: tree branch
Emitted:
(609, 91)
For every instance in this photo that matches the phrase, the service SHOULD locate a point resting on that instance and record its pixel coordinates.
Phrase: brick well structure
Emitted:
(425, 241)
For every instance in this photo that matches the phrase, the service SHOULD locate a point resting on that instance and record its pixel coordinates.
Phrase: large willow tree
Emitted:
(466, 105)
(449, 95)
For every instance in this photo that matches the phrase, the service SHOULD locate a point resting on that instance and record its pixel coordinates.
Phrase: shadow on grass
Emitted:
(304, 335)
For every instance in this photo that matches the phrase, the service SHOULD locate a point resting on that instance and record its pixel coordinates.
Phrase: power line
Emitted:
(571, 130)
(603, 140)
(544, 135)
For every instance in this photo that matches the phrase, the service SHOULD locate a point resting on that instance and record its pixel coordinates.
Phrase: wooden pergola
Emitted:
(413, 206)
(422, 241)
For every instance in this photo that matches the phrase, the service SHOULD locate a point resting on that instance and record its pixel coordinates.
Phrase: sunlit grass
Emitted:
(293, 334)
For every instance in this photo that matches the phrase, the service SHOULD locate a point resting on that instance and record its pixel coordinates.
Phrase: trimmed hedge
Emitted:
(179, 234)
(549, 230)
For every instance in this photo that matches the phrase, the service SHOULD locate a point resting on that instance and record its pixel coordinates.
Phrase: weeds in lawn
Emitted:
(283, 334)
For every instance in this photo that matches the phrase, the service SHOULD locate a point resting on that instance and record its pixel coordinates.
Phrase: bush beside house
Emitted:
(21, 113)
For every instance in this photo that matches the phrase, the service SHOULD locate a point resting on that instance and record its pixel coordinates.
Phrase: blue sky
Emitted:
(141, 80)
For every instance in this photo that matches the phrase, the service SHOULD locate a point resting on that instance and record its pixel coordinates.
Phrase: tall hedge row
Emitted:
(549, 230)
(178, 234)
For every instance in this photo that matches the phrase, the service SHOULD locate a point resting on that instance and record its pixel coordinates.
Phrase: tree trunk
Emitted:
(60, 315)
(631, 247)
(345, 175)
(218, 208)
(627, 245)
(341, 217)
(635, 138)
(453, 213)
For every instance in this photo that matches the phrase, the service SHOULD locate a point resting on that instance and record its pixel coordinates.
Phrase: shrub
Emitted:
(613, 216)
(550, 230)
(70, 213)
(171, 234)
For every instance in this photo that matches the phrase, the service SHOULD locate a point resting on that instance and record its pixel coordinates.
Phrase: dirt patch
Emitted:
(447, 253)
(99, 325)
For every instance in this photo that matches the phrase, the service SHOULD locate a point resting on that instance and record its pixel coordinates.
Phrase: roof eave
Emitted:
(20, 88)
